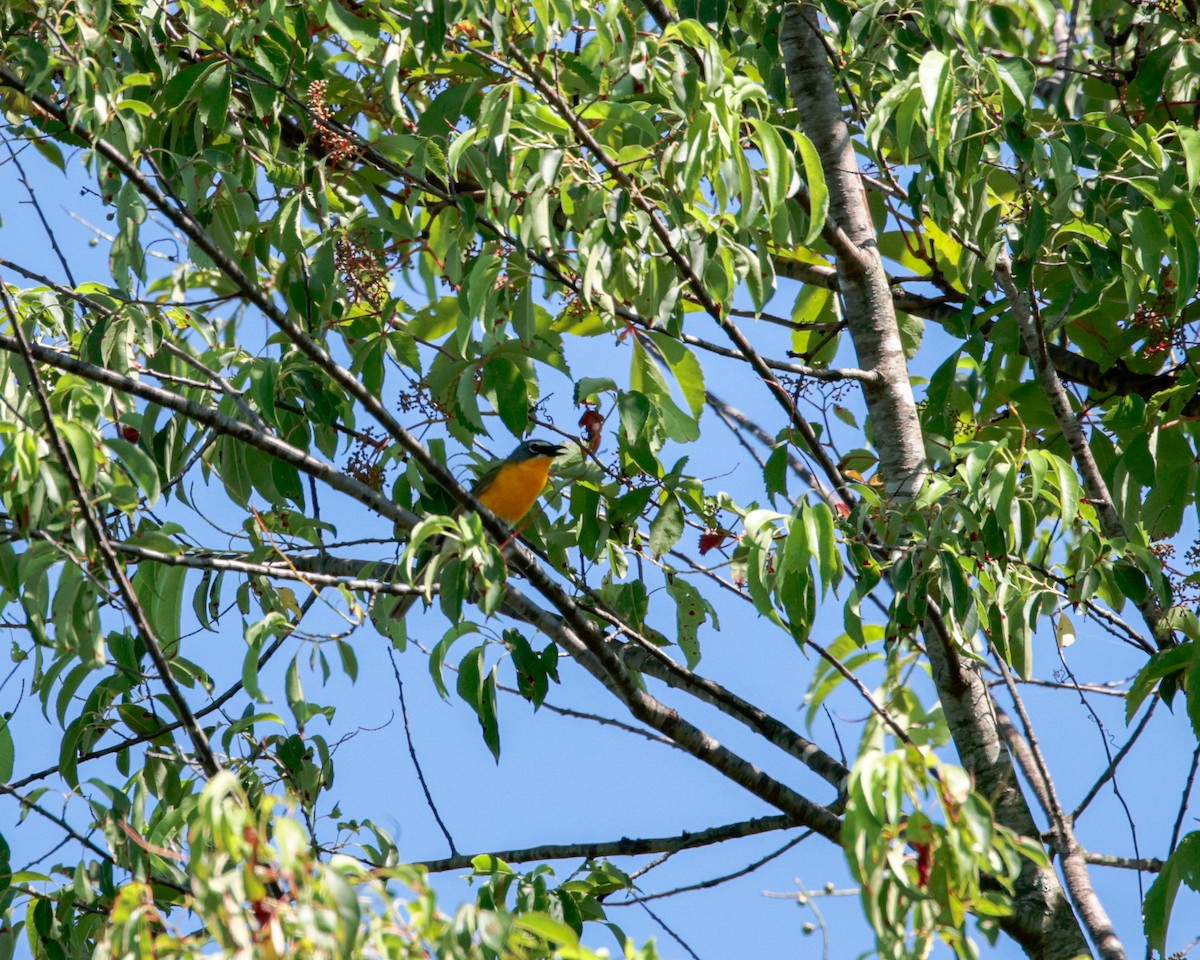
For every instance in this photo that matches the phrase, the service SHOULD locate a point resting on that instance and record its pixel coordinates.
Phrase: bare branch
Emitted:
(716, 881)
(1074, 865)
(770, 728)
(302, 569)
(624, 847)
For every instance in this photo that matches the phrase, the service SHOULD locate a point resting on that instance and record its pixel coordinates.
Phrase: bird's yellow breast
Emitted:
(515, 488)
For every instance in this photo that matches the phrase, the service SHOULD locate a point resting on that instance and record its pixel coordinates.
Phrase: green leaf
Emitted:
(479, 692)
(1147, 86)
(358, 31)
(1165, 663)
(1017, 79)
(505, 387)
(667, 527)
(214, 96)
(590, 388)
(937, 86)
(686, 368)
(533, 672)
(349, 660)
(250, 669)
(1068, 488)
(780, 168)
(1165, 506)
(181, 86)
(434, 321)
(1189, 142)
(691, 610)
(159, 589)
(822, 531)
(912, 330)
(646, 378)
(294, 694)
(818, 191)
(138, 465)
(794, 582)
(775, 472)
(1183, 866)
(548, 929)
(933, 73)
(437, 656)
(8, 751)
(466, 404)
(68, 753)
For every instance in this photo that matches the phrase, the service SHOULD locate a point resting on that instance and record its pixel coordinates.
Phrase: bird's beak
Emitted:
(559, 450)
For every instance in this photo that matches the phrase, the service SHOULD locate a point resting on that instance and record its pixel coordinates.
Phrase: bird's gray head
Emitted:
(531, 449)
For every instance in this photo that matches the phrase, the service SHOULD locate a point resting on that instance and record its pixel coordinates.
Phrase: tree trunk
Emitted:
(1043, 923)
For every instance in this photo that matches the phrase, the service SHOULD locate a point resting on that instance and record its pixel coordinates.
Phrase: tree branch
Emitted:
(1111, 523)
(716, 881)
(1074, 866)
(219, 423)
(862, 280)
(624, 847)
(773, 730)
(303, 569)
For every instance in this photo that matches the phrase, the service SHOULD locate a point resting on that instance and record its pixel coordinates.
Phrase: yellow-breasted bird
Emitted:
(509, 490)
(511, 487)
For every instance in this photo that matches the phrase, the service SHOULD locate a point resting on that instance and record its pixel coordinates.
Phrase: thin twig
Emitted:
(717, 881)
(58, 821)
(1183, 800)
(412, 752)
(593, 717)
(62, 258)
(285, 570)
(1111, 769)
(671, 933)
(1116, 787)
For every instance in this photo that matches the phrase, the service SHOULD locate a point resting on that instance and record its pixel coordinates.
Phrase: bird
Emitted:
(511, 488)
(508, 490)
